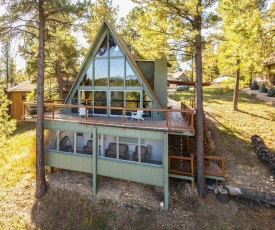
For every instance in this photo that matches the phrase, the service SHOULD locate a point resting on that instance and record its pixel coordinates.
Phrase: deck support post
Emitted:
(166, 173)
(95, 147)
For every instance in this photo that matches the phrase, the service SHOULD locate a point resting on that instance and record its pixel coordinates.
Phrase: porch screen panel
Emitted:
(116, 72)
(117, 100)
(101, 72)
(100, 99)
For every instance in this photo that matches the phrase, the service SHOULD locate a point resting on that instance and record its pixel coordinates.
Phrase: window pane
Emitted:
(116, 72)
(101, 72)
(117, 100)
(146, 104)
(132, 99)
(102, 51)
(88, 77)
(114, 48)
(100, 99)
(87, 99)
(131, 78)
(75, 102)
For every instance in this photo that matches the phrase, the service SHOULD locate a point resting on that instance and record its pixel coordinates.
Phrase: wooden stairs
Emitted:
(182, 158)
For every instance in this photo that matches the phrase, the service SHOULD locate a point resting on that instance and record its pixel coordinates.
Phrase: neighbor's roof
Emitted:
(26, 86)
(181, 76)
(270, 60)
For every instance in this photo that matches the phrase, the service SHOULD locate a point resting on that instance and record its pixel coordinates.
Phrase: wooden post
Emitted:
(166, 173)
(94, 159)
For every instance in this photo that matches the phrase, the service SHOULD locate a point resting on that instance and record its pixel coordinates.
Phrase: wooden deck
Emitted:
(173, 120)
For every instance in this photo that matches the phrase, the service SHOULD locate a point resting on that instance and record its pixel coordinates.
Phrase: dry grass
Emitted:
(253, 116)
(17, 171)
(17, 158)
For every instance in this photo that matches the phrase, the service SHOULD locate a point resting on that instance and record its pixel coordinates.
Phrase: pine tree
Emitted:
(7, 125)
(35, 19)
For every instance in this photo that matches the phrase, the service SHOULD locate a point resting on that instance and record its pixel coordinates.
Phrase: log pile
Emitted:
(263, 153)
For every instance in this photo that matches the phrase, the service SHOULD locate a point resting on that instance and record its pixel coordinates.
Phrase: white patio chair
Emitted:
(137, 115)
(81, 112)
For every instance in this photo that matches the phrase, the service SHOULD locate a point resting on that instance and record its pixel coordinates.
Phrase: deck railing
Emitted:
(190, 119)
(181, 165)
(169, 119)
(213, 166)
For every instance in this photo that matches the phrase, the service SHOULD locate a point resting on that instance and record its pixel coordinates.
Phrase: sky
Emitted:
(125, 7)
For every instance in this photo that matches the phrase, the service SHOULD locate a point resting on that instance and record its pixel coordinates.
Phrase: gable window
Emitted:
(131, 78)
(117, 72)
(101, 72)
(102, 51)
(100, 99)
(132, 99)
(114, 48)
(117, 100)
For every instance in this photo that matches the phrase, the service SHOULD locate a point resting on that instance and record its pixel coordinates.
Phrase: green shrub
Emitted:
(263, 88)
(254, 85)
(271, 92)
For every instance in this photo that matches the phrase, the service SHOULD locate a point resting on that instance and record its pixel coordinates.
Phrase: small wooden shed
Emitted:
(17, 94)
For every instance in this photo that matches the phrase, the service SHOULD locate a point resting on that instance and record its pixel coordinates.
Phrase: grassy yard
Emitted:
(17, 170)
(253, 116)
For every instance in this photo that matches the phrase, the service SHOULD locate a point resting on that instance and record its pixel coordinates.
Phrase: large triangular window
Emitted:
(114, 48)
(103, 49)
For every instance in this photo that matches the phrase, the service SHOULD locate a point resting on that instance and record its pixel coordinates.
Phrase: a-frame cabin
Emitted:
(115, 121)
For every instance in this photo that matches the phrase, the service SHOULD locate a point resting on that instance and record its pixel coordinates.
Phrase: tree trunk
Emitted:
(250, 79)
(252, 194)
(201, 183)
(60, 81)
(40, 168)
(236, 91)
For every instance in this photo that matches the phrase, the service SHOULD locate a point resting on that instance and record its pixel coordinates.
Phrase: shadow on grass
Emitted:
(23, 126)
(253, 115)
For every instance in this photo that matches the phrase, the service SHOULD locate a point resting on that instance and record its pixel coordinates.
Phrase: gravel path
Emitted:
(261, 96)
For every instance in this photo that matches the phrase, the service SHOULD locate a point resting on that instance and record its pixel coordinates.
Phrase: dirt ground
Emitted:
(119, 204)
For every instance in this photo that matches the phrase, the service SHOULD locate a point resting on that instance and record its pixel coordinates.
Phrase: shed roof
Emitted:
(26, 86)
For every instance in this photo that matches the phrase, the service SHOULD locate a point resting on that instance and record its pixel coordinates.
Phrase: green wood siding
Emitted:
(116, 131)
(70, 161)
(147, 174)
(132, 171)
(160, 81)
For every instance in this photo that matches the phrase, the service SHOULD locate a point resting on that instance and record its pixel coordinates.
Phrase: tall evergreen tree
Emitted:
(42, 16)
(179, 24)
(242, 28)
(7, 125)
(8, 62)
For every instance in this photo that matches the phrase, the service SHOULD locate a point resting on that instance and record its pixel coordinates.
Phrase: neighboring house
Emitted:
(115, 121)
(180, 76)
(17, 95)
(223, 78)
(269, 75)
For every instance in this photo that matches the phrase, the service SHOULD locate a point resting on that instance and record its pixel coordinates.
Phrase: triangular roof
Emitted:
(124, 47)
(26, 86)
